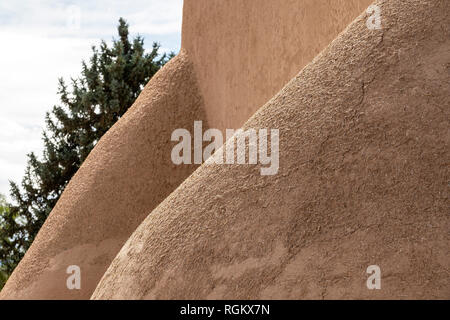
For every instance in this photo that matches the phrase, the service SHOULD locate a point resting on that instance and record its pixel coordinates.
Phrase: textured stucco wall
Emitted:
(238, 53)
(128, 173)
(245, 51)
(363, 180)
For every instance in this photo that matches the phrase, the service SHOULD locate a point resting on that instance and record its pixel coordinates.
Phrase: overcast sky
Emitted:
(42, 40)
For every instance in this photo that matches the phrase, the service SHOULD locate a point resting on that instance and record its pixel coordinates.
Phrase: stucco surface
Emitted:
(364, 149)
(236, 55)
(127, 174)
(245, 51)
(363, 179)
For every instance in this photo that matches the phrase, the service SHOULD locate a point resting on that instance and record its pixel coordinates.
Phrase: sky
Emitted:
(42, 40)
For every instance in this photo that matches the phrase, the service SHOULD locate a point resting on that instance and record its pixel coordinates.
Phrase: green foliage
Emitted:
(4, 212)
(109, 84)
(3, 278)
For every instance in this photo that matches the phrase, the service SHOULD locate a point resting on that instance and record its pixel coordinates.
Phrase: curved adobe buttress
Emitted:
(127, 174)
(363, 180)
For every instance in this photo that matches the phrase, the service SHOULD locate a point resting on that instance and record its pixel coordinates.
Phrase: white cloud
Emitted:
(45, 40)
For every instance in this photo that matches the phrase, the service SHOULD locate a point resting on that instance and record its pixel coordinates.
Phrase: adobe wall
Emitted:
(363, 181)
(128, 173)
(245, 51)
(236, 55)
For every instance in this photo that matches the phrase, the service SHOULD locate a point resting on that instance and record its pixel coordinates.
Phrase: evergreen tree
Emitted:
(107, 87)
(4, 212)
